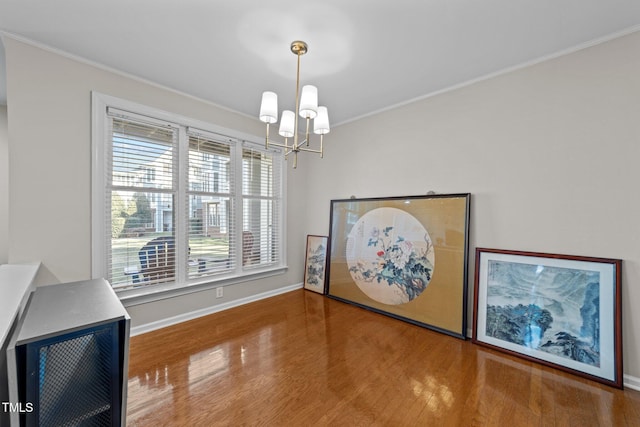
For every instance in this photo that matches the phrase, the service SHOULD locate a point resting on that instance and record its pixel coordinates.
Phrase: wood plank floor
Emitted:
(302, 359)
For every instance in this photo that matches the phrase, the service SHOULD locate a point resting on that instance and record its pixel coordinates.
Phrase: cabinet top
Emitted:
(67, 307)
(16, 282)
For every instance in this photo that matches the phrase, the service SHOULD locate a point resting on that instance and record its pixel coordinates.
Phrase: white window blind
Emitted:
(261, 202)
(180, 203)
(140, 197)
(210, 207)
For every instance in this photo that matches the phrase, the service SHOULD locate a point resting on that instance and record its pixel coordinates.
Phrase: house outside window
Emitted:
(180, 203)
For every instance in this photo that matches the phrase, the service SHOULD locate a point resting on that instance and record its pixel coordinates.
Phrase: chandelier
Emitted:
(307, 108)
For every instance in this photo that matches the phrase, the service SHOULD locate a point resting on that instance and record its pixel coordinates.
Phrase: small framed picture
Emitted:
(559, 310)
(315, 265)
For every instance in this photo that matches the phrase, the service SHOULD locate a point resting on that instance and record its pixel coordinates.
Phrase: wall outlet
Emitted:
(219, 292)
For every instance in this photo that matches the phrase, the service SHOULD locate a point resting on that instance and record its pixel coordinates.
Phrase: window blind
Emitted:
(261, 207)
(210, 207)
(140, 198)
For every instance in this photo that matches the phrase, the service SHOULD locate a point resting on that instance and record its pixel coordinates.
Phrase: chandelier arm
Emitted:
(309, 150)
(307, 137)
(275, 144)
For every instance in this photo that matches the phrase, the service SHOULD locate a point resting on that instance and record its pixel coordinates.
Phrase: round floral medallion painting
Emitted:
(390, 256)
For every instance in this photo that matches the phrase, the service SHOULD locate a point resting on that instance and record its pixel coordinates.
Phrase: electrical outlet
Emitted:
(219, 292)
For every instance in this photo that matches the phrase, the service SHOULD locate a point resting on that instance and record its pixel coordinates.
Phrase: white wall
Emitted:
(49, 195)
(549, 153)
(4, 186)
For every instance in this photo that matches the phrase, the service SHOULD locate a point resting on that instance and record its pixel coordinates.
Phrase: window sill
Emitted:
(144, 295)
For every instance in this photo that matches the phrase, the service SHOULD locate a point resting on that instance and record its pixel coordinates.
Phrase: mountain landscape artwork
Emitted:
(315, 267)
(563, 311)
(551, 309)
(315, 263)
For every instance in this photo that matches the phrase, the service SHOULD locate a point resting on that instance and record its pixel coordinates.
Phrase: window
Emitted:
(179, 203)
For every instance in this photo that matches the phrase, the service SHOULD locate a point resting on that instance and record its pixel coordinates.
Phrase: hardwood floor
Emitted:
(303, 359)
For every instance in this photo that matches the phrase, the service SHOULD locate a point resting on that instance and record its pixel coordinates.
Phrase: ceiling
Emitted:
(364, 56)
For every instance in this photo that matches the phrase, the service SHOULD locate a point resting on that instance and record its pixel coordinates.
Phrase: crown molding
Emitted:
(103, 67)
(501, 72)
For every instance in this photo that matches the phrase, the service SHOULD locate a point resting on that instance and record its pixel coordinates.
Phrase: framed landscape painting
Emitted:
(405, 257)
(315, 263)
(559, 310)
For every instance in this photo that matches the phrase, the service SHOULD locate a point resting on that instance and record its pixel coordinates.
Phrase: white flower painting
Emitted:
(390, 256)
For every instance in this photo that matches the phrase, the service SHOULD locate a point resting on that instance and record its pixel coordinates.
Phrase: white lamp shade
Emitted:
(309, 102)
(321, 122)
(287, 124)
(269, 107)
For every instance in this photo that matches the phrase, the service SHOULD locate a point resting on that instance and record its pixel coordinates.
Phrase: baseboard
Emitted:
(632, 382)
(159, 324)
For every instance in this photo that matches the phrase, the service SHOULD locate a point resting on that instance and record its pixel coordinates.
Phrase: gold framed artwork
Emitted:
(405, 257)
(315, 263)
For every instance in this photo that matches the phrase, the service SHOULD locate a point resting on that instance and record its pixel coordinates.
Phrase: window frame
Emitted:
(183, 285)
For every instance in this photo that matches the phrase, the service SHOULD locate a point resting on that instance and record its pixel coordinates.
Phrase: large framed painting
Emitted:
(405, 257)
(559, 310)
(315, 263)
